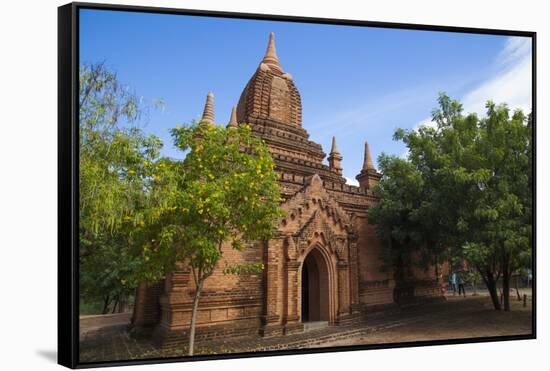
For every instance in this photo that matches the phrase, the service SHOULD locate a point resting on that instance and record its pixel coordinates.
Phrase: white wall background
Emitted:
(28, 166)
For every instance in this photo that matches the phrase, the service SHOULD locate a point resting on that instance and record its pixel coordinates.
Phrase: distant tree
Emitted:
(223, 193)
(418, 205)
(497, 217)
(465, 189)
(116, 163)
(402, 193)
(473, 278)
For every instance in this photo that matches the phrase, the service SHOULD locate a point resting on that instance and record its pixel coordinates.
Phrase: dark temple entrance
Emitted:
(314, 288)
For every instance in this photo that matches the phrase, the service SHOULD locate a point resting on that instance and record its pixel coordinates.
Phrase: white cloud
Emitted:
(515, 49)
(351, 181)
(426, 122)
(363, 113)
(512, 85)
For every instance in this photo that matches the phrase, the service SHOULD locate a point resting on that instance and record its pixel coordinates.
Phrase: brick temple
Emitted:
(324, 266)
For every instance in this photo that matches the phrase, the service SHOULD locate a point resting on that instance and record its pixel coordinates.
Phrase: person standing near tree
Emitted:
(460, 281)
(452, 282)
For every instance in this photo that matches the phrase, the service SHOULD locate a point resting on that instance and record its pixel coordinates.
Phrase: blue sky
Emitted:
(357, 83)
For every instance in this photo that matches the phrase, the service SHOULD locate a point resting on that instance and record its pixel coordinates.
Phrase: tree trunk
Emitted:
(436, 269)
(506, 289)
(122, 304)
(492, 287)
(194, 315)
(117, 300)
(106, 302)
(517, 289)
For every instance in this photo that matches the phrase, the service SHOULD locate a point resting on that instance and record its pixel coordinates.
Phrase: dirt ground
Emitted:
(455, 318)
(91, 323)
(458, 318)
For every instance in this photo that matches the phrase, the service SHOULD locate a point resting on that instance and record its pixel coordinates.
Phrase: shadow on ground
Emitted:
(50, 355)
(455, 318)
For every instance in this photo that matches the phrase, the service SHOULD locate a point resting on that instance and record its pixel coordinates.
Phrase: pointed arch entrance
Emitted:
(315, 288)
(311, 270)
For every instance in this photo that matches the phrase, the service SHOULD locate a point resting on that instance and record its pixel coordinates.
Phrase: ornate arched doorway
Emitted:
(311, 271)
(315, 288)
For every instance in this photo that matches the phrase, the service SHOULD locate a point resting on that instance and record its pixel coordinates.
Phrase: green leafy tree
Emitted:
(498, 215)
(116, 163)
(473, 278)
(400, 192)
(464, 190)
(224, 192)
(417, 210)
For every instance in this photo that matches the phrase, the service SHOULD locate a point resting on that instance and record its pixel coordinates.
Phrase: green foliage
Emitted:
(116, 167)
(89, 307)
(225, 190)
(473, 277)
(400, 193)
(242, 269)
(465, 189)
(141, 215)
(223, 193)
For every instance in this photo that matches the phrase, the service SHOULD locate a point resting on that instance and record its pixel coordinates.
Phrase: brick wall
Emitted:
(147, 308)
(229, 304)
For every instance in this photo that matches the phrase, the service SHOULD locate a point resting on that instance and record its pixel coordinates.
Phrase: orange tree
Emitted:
(223, 193)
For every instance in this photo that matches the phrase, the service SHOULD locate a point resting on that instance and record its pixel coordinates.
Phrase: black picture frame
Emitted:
(68, 170)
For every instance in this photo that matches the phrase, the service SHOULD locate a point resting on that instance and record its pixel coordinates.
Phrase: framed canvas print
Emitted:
(237, 185)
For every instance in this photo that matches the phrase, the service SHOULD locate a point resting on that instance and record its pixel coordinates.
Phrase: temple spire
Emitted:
(270, 57)
(368, 177)
(335, 158)
(334, 148)
(367, 160)
(233, 120)
(208, 113)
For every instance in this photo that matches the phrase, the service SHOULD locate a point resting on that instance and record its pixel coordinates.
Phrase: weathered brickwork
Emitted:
(147, 310)
(325, 262)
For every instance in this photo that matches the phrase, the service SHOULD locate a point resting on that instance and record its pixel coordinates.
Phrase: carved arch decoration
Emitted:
(313, 216)
(313, 221)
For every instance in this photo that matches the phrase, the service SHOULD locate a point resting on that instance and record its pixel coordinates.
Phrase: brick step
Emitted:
(309, 326)
(349, 321)
(334, 334)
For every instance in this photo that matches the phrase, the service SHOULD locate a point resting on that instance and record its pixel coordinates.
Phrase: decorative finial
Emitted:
(367, 161)
(270, 57)
(208, 113)
(233, 120)
(334, 148)
(335, 158)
